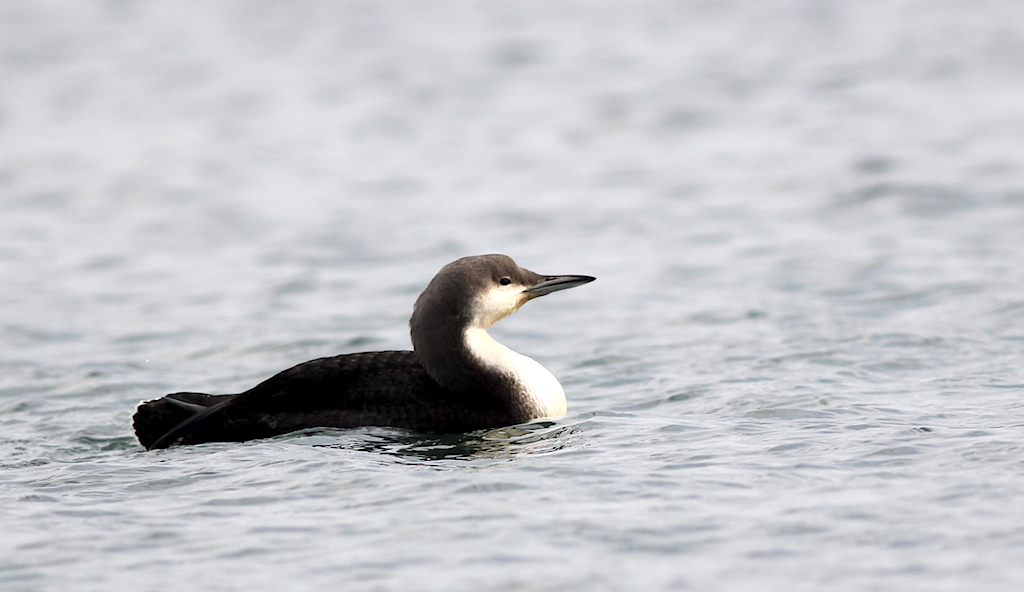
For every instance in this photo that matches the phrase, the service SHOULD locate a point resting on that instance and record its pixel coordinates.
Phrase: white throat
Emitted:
(533, 380)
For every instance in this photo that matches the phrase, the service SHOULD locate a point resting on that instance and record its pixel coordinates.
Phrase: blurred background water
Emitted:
(801, 367)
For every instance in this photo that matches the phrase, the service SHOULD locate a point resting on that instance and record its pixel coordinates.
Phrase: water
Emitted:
(800, 367)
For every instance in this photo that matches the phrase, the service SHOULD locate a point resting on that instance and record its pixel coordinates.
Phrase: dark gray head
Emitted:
(476, 292)
(484, 289)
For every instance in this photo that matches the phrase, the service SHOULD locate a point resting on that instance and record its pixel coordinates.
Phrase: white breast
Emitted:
(540, 385)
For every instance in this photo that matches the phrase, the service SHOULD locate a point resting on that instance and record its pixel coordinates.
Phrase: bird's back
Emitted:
(387, 388)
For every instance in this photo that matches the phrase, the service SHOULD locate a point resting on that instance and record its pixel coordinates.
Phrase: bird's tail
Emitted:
(159, 417)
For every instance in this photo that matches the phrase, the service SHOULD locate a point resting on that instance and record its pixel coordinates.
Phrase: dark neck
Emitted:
(439, 344)
(437, 329)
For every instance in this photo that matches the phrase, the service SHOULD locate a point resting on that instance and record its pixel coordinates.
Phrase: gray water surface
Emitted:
(801, 367)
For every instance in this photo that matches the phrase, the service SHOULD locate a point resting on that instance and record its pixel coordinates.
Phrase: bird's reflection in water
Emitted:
(499, 443)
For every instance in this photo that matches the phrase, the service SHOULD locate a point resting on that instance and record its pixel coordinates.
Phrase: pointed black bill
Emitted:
(554, 283)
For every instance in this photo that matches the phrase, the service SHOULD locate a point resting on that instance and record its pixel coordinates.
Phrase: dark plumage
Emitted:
(443, 386)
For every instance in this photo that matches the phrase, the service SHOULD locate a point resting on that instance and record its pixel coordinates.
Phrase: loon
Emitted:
(457, 378)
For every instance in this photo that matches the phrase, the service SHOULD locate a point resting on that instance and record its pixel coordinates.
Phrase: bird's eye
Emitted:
(504, 281)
